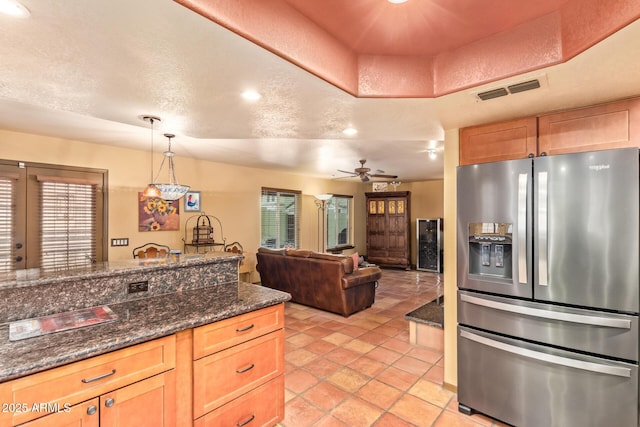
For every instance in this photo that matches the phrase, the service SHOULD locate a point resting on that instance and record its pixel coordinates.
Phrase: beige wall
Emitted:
(229, 192)
(450, 213)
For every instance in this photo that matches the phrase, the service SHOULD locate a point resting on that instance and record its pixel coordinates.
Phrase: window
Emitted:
(51, 217)
(279, 218)
(339, 221)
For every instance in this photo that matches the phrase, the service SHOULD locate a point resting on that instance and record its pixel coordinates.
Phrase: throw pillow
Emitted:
(356, 260)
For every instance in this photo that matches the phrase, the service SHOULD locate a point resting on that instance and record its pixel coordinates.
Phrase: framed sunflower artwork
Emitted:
(156, 214)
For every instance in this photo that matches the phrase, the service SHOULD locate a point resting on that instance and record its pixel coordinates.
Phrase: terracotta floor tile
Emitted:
(300, 339)
(337, 338)
(413, 366)
(299, 381)
(348, 380)
(320, 347)
(322, 368)
(373, 338)
(435, 375)
(342, 355)
(358, 346)
(330, 421)
(318, 332)
(300, 413)
(451, 419)
(384, 355)
(386, 330)
(431, 392)
(397, 345)
(390, 420)
(397, 378)
(379, 394)
(415, 411)
(426, 355)
(367, 366)
(325, 395)
(299, 357)
(356, 412)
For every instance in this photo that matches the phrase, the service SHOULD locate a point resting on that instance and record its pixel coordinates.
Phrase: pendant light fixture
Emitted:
(171, 190)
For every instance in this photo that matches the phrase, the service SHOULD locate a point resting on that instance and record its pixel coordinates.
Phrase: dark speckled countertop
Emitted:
(138, 321)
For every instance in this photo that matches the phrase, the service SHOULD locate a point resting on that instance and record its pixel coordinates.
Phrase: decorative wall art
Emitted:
(192, 201)
(155, 214)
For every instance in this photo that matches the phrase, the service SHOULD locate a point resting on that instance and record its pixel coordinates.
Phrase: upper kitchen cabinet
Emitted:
(514, 139)
(600, 127)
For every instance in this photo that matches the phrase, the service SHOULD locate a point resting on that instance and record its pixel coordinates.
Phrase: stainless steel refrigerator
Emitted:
(548, 289)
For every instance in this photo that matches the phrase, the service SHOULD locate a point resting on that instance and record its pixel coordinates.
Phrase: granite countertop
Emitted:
(35, 277)
(138, 321)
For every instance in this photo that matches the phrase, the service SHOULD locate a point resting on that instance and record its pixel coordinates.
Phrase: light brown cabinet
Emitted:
(103, 380)
(601, 127)
(228, 372)
(388, 231)
(238, 371)
(150, 402)
(513, 139)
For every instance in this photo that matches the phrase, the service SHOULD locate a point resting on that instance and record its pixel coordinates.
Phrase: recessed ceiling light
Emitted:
(397, 1)
(251, 95)
(350, 131)
(13, 8)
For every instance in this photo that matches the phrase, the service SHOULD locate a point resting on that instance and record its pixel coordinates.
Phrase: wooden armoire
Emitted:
(388, 231)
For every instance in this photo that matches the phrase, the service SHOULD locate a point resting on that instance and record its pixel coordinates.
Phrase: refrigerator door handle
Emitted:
(547, 314)
(523, 275)
(549, 358)
(543, 266)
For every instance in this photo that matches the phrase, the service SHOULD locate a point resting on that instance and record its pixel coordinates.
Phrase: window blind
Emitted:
(7, 223)
(68, 224)
(279, 218)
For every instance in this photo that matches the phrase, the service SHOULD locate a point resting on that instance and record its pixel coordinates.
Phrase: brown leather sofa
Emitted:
(325, 281)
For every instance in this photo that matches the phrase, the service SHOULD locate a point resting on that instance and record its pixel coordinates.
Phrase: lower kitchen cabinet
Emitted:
(150, 402)
(242, 383)
(229, 372)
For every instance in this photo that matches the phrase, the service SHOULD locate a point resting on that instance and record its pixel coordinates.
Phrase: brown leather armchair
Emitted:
(325, 281)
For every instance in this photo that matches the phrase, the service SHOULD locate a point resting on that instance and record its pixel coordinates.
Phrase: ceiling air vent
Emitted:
(495, 93)
(521, 87)
(511, 89)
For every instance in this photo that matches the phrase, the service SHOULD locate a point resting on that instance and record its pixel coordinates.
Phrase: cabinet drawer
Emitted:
(223, 376)
(88, 378)
(217, 336)
(263, 406)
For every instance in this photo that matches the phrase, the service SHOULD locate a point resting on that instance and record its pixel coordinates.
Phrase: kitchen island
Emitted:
(163, 334)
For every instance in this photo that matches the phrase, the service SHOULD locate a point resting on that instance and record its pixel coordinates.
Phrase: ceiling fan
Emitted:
(364, 175)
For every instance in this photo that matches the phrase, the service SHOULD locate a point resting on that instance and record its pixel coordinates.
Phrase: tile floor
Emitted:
(362, 370)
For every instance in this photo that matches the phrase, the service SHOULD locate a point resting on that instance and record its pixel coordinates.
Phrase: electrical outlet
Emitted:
(138, 287)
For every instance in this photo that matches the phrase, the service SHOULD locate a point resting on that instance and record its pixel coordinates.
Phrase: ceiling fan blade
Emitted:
(349, 172)
(378, 175)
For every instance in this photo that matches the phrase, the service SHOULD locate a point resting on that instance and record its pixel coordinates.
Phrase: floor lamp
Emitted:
(321, 203)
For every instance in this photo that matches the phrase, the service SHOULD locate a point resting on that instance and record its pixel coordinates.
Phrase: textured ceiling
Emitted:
(87, 69)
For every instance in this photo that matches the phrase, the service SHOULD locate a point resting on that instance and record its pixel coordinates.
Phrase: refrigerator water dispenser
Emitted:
(490, 249)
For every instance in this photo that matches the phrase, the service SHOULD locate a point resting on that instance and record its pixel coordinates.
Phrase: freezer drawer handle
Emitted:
(553, 315)
(549, 358)
(522, 228)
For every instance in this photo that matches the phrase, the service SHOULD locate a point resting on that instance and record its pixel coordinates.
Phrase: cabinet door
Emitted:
(376, 228)
(602, 127)
(151, 402)
(397, 231)
(515, 139)
(81, 415)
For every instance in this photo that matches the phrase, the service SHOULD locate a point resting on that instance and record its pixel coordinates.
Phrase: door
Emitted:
(84, 414)
(494, 216)
(587, 228)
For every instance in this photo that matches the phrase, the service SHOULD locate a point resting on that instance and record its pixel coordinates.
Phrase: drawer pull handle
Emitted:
(91, 410)
(248, 368)
(247, 421)
(245, 329)
(109, 402)
(99, 377)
